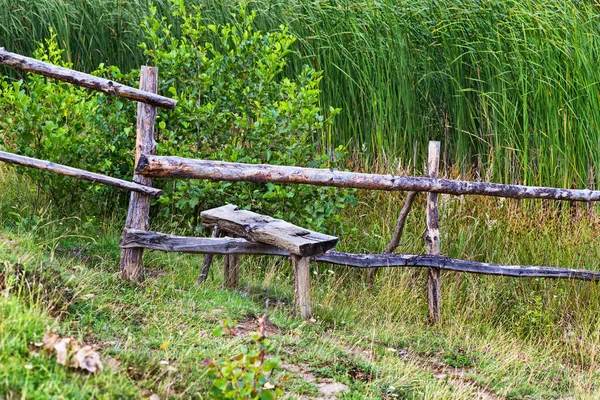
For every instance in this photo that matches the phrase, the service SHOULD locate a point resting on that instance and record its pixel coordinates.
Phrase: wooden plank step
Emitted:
(264, 229)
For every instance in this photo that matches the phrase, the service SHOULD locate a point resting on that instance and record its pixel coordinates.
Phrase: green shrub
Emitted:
(247, 375)
(69, 125)
(233, 106)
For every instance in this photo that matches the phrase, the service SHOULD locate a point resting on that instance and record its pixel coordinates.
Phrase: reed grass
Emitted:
(509, 87)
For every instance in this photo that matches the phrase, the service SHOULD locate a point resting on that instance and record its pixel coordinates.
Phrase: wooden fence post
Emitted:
(302, 285)
(432, 236)
(139, 204)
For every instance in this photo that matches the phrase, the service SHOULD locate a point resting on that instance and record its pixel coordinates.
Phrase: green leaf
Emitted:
(218, 331)
(267, 395)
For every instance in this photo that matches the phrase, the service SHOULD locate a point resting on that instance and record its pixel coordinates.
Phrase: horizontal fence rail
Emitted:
(77, 173)
(177, 167)
(133, 238)
(82, 79)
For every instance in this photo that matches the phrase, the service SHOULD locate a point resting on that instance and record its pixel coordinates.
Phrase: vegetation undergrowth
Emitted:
(512, 338)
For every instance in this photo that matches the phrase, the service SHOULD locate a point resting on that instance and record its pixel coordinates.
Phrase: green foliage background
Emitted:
(233, 106)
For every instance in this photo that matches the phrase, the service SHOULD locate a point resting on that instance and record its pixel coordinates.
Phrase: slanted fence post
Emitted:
(302, 285)
(208, 258)
(432, 236)
(139, 204)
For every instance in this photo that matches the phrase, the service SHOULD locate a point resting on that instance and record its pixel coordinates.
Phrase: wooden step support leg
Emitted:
(231, 268)
(432, 237)
(139, 204)
(302, 285)
(231, 271)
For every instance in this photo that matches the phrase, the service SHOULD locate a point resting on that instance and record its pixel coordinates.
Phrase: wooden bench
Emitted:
(299, 242)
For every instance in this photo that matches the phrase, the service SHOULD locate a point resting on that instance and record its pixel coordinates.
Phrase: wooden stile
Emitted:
(300, 243)
(139, 204)
(268, 230)
(432, 236)
(258, 234)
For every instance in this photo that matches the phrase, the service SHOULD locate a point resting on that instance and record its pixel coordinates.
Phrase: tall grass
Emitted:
(510, 87)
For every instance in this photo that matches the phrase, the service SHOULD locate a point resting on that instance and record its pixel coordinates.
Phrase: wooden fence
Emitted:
(137, 235)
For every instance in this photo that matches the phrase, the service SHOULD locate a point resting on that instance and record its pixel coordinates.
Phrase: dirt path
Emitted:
(328, 389)
(454, 376)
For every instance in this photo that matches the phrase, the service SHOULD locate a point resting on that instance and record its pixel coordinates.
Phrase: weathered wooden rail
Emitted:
(187, 168)
(83, 79)
(78, 173)
(133, 238)
(254, 234)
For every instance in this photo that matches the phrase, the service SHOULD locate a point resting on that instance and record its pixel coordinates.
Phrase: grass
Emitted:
(508, 86)
(510, 338)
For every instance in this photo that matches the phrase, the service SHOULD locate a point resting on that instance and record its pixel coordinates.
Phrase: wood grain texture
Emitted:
(160, 241)
(432, 237)
(453, 264)
(78, 173)
(177, 167)
(170, 243)
(268, 230)
(302, 285)
(139, 204)
(83, 79)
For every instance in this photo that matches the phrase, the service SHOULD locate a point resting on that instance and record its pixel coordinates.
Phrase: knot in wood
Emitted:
(431, 236)
(110, 90)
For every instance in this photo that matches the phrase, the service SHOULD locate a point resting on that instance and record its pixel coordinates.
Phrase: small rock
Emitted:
(331, 389)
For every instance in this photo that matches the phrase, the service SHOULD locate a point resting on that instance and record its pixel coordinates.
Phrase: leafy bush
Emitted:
(68, 125)
(247, 375)
(233, 107)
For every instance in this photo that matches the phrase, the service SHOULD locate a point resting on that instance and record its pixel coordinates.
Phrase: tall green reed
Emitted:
(510, 87)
